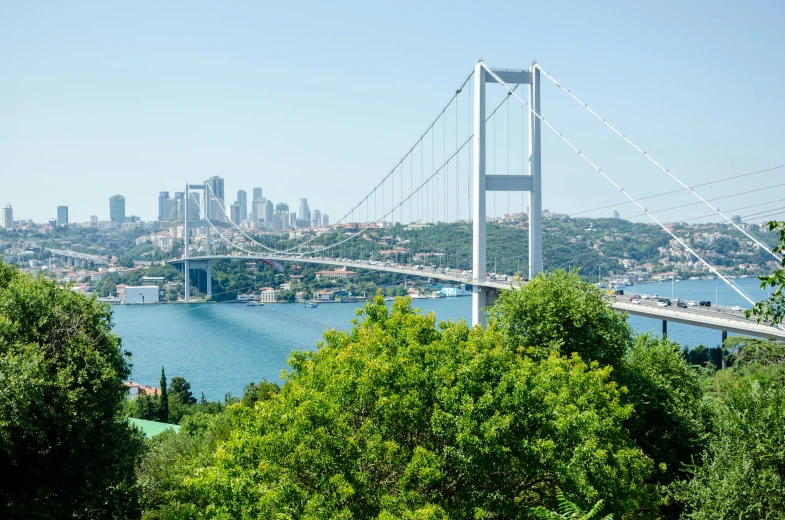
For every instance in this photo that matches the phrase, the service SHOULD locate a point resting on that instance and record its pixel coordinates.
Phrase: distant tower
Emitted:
(117, 210)
(7, 217)
(305, 211)
(325, 220)
(736, 219)
(268, 213)
(62, 215)
(242, 201)
(216, 198)
(616, 214)
(234, 213)
(316, 220)
(163, 196)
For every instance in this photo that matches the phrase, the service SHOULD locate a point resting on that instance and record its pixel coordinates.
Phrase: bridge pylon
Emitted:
(482, 183)
(188, 222)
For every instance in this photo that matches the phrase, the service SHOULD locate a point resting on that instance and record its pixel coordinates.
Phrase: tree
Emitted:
(252, 393)
(570, 511)
(164, 399)
(181, 391)
(773, 308)
(64, 449)
(560, 313)
(401, 418)
(742, 474)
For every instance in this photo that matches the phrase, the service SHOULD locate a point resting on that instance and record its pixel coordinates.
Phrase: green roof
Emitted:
(152, 428)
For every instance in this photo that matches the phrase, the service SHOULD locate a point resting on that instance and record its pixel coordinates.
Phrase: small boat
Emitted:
(311, 305)
(254, 304)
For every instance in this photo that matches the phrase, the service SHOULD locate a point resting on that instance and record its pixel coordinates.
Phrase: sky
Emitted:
(321, 100)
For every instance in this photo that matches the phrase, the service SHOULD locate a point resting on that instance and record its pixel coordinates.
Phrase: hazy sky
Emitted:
(321, 99)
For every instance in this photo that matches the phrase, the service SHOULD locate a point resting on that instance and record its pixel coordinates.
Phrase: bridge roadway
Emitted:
(80, 258)
(719, 318)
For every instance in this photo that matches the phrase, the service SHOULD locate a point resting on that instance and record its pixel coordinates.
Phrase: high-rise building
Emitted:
(292, 220)
(163, 196)
(305, 211)
(268, 213)
(325, 220)
(7, 217)
(62, 215)
(170, 210)
(316, 219)
(257, 194)
(736, 219)
(234, 213)
(257, 211)
(281, 217)
(615, 214)
(117, 210)
(242, 201)
(214, 197)
(179, 199)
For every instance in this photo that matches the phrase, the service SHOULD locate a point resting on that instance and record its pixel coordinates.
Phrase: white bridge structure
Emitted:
(429, 198)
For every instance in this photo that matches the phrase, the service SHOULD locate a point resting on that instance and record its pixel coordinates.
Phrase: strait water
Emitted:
(220, 348)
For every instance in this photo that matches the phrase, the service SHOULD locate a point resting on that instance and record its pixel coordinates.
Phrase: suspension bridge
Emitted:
(453, 185)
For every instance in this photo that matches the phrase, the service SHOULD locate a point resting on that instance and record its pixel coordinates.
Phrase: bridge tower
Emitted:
(189, 263)
(482, 183)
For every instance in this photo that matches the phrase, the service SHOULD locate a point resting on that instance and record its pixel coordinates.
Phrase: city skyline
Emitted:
(201, 94)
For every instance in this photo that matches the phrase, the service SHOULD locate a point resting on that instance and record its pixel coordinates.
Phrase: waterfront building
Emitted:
(62, 215)
(269, 295)
(305, 211)
(117, 210)
(163, 196)
(316, 219)
(214, 196)
(142, 294)
(242, 201)
(339, 274)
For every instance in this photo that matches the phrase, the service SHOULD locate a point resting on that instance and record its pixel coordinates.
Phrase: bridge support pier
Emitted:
(209, 273)
(664, 329)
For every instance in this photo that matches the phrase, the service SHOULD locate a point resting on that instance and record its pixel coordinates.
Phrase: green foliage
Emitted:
(180, 391)
(171, 458)
(773, 308)
(569, 510)
(670, 415)
(559, 313)
(265, 390)
(402, 419)
(164, 399)
(743, 470)
(64, 449)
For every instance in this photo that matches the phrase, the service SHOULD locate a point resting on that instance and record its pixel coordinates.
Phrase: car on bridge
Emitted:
(662, 304)
(704, 303)
(681, 304)
(736, 308)
(635, 301)
(692, 303)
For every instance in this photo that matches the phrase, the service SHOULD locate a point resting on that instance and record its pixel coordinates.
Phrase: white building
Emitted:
(269, 295)
(141, 294)
(7, 217)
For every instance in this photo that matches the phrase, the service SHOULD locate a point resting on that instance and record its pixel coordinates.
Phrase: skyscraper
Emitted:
(234, 213)
(281, 218)
(62, 215)
(325, 220)
(117, 210)
(305, 211)
(179, 198)
(170, 210)
(7, 217)
(268, 213)
(163, 196)
(316, 219)
(242, 201)
(257, 211)
(257, 194)
(215, 199)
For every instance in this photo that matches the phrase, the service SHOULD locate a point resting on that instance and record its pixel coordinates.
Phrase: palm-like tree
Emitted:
(570, 511)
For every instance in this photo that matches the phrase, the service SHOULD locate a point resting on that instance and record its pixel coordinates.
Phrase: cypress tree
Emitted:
(164, 398)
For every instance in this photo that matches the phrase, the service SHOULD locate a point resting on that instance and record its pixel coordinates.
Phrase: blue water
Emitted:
(220, 348)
